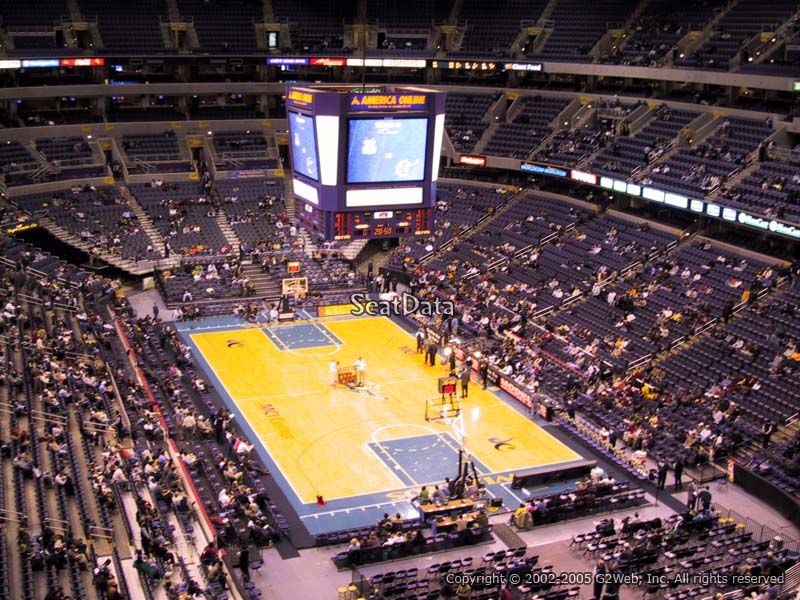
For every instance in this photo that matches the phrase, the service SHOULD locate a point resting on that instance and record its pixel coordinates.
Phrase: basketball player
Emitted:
(360, 366)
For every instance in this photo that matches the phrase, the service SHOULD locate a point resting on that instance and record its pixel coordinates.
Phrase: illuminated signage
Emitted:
(329, 62)
(327, 138)
(466, 65)
(729, 214)
(383, 197)
(388, 101)
(522, 67)
(83, 62)
(299, 97)
(584, 177)
(676, 201)
(406, 63)
(653, 194)
(712, 210)
(475, 161)
(784, 229)
(796, 86)
(40, 62)
(620, 186)
(697, 205)
(360, 62)
(752, 221)
(543, 169)
(287, 61)
(10, 64)
(305, 191)
(384, 214)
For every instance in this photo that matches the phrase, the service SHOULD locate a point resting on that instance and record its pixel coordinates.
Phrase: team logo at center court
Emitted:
(502, 445)
(232, 343)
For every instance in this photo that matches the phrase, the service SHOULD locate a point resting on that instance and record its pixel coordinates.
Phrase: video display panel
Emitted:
(304, 148)
(386, 150)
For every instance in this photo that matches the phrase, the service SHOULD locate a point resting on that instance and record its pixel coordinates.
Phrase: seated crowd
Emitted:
(54, 317)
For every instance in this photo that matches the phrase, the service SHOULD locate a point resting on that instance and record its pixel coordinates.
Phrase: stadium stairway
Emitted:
(173, 11)
(266, 285)
(788, 431)
(783, 434)
(308, 243)
(485, 138)
(63, 234)
(269, 12)
(680, 141)
(353, 249)
(288, 196)
(738, 178)
(230, 235)
(693, 39)
(74, 11)
(637, 120)
(515, 194)
(546, 13)
(147, 224)
(619, 37)
(760, 51)
(565, 116)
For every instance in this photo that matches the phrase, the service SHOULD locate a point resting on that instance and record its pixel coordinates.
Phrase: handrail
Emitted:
(126, 421)
(105, 533)
(639, 361)
(207, 525)
(571, 300)
(124, 513)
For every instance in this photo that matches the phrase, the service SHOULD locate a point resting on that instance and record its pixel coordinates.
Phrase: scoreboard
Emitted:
(365, 163)
(447, 385)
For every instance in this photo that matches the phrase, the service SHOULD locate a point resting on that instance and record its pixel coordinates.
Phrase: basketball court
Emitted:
(365, 449)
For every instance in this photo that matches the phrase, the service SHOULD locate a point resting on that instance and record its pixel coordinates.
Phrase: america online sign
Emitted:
(388, 102)
(299, 97)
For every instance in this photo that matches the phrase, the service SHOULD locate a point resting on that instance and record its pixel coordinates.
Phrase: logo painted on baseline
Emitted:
(502, 445)
(399, 305)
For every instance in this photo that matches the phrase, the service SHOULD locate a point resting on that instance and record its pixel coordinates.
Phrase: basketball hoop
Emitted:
(295, 291)
(448, 411)
(296, 287)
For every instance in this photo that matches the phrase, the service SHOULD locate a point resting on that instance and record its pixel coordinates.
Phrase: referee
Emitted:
(464, 376)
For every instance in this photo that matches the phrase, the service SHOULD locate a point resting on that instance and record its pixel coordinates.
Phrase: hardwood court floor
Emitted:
(343, 442)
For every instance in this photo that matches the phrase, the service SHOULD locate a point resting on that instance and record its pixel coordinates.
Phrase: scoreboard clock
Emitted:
(381, 224)
(365, 165)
